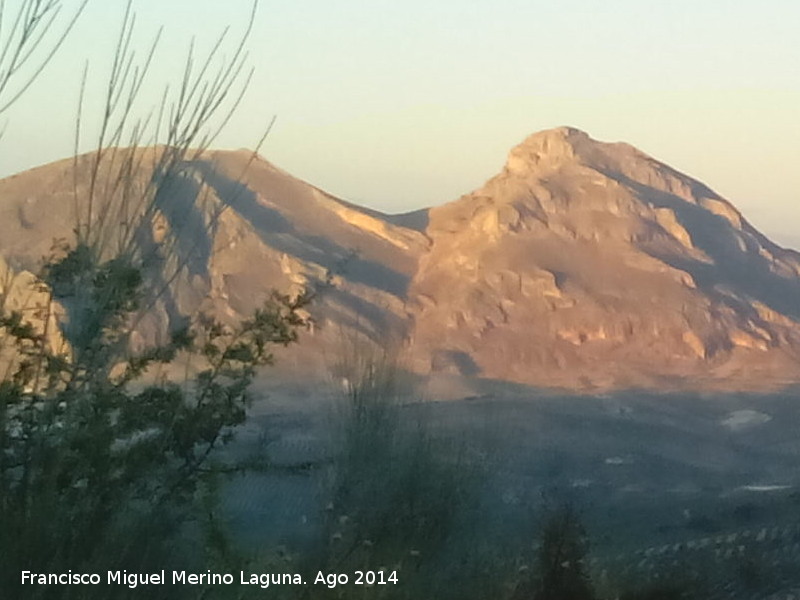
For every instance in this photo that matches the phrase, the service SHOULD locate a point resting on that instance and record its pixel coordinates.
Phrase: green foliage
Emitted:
(91, 452)
(560, 572)
(100, 466)
(395, 490)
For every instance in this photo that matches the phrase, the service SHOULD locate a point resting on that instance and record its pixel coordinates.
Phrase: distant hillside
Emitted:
(582, 265)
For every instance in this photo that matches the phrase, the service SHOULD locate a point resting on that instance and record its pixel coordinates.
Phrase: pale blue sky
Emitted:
(399, 105)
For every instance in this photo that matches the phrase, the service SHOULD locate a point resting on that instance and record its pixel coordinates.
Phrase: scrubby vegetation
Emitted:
(101, 470)
(108, 461)
(105, 465)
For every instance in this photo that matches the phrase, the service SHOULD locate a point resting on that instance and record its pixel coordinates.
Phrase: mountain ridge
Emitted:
(582, 265)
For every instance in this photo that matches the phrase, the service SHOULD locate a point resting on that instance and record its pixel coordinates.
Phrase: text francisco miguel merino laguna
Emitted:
(263, 580)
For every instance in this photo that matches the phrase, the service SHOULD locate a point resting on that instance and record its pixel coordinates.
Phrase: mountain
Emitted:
(243, 228)
(592, 264)
(582, 265)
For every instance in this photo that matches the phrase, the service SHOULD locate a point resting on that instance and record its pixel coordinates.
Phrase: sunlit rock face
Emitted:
(582, 265)
(585, 264)
(222, 235)
(21, 292)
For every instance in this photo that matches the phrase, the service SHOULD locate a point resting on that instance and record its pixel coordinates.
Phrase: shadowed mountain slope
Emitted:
(581, 265)
(585, 264)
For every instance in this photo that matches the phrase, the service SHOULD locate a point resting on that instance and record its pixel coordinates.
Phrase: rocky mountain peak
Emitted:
(583, 264)
(547, 147)
(595, 264)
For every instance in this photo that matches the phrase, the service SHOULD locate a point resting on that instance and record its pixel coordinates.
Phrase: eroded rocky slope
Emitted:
(581, 265)
(592, 264)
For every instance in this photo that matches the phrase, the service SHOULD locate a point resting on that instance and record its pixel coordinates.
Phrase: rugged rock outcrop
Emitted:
(581, 265)
(592, 264)
(233, 229)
